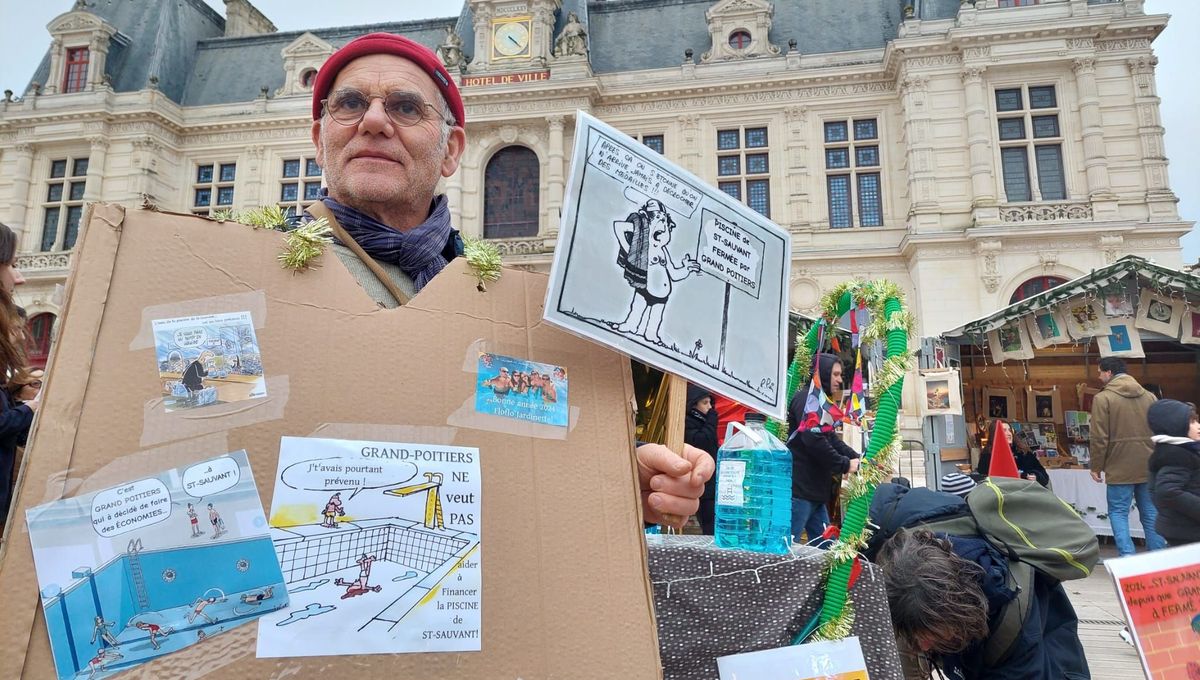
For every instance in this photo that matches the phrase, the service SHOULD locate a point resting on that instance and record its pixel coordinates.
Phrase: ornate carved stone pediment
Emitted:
(739, 29)
(301, 60)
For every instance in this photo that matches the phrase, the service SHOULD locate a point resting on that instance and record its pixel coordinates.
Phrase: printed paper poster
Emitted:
(379, 544)
(657, 264)
(835, 660)
(208, 359)
(522, 390)
(1160, 595)
(146, 568)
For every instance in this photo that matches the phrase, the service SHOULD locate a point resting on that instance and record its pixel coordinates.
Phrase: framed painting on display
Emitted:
(1043, 405)
(1159, 313)
(1000, 402)
(1122, 340)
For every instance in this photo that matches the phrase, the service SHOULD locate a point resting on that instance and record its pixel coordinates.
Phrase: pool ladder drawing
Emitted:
(433, 499)
(135, 569)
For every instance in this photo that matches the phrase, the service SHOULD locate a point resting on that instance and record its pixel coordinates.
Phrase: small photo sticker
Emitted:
(522, 390)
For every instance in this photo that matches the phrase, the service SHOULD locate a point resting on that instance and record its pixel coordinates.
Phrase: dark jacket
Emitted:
(816, 456)
(1175, 473)
(193, 377)
(700, 430)
(14, 429)
(1048, 646)
(1028, 464)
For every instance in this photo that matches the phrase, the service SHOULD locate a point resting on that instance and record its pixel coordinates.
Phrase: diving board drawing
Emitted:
(655, 263)
(127, 575)
(379, 545)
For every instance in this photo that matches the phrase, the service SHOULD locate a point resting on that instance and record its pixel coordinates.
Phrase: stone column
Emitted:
(97, 55)
(19, 200)
(1095, 158)
(689, 153)
(482, 21)
(248, 189)
(555, 173)
(797, 178)
(1159, 198)
(919, 156)
(93, 188)
(979, 143)
(54, 79)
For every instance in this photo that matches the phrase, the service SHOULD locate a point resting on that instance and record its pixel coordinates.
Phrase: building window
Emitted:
(1028, 127)
(41, 329)
(301, 184)
(307, 78)
(75, 69)
(744, 166)
(1017, 3)
(1034, 286)
(739, 40)
(655, 142)
(213, 188)
(510, 194)
(852, 173)
(63, 207)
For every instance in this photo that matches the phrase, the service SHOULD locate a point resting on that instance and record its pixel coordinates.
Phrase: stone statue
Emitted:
(572, 40)
(450, 51)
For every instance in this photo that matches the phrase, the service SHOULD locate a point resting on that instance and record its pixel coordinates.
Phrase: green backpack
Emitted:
(1036, 531)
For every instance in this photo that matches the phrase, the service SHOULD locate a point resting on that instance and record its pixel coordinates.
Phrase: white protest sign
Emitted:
(840, 659)
(653, 262)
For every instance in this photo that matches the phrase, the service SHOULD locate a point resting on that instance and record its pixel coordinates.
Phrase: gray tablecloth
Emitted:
(712, 602)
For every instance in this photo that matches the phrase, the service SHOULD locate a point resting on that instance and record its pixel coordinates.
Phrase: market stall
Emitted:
(1034, 363)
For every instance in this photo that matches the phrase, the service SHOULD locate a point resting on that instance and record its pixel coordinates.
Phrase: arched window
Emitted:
(1038, 284)
(41, 328)
(510, 193)
(739, 40)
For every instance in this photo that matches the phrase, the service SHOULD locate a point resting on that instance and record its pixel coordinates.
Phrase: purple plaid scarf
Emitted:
(418, 252)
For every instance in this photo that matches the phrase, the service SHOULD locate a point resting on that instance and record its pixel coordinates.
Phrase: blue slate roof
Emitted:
(182, 43)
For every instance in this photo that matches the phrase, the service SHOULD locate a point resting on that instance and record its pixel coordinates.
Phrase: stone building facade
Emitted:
(972, 152)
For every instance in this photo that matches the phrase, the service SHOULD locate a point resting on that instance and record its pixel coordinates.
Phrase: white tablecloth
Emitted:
(1077, 488)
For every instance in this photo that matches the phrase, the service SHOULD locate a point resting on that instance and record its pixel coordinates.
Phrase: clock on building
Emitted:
(510, 37)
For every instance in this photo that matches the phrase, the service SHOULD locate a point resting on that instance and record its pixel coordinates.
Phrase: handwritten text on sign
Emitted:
(642, 176)
(1162, 595)
(730, 253)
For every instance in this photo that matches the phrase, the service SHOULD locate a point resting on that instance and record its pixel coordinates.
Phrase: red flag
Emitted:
(1003, 463)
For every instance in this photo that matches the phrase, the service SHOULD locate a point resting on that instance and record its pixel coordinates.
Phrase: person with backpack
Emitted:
(977, 593)
(1175, 470)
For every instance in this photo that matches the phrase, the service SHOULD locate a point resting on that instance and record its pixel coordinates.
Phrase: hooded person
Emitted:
(818, 454)
(1175, 470)
(700, 431)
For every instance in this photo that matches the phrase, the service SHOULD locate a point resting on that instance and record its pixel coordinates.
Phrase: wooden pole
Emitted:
(673, 434)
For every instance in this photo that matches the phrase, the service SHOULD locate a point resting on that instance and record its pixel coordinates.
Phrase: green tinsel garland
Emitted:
(484, 259)
(304, 244)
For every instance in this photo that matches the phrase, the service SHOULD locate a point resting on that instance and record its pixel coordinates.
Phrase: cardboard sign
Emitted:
(655, 263)
(1160, 596)
(565, 592)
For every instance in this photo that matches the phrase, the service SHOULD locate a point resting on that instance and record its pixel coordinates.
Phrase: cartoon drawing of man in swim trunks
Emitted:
(258, 598)
(100, 662)
(643, 238)
(360, 585)
(153, 629)
(333, 510)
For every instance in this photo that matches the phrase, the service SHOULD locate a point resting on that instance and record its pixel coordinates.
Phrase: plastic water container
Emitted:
(754, 489)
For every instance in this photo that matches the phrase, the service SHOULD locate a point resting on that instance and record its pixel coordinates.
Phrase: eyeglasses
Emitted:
(404, 108)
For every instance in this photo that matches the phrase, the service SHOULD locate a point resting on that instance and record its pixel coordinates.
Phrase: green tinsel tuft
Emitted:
(484, 258)
(304, 244)
(838, 628)
(267, 217)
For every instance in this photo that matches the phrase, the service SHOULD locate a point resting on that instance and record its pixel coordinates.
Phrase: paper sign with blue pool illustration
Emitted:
(142, 569)
(379, 544)
(208, 359)
(524, 390)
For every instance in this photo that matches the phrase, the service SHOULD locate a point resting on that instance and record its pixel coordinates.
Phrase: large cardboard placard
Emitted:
(656, 263)
(564, 583)
(1160, 597)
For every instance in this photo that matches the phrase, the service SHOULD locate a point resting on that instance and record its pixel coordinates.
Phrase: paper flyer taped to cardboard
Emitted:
(380, 546)
(143, 569)
(655, 263)
(208, 359)
(830, 660)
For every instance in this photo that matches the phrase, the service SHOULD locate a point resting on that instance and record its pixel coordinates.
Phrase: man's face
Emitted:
(835, 378)
(377, 163)
(1105, 376)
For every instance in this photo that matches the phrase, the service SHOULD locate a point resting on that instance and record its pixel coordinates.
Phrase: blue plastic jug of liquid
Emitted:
(754, 489)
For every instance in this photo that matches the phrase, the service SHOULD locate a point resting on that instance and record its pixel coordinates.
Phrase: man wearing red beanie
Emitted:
(388, 125)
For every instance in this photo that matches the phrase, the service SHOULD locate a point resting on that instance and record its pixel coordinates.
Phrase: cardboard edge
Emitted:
(54, 432)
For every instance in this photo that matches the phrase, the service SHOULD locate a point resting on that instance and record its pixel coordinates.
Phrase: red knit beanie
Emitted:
(388, 43)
